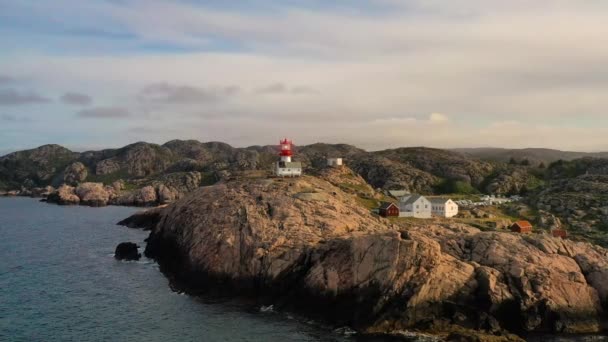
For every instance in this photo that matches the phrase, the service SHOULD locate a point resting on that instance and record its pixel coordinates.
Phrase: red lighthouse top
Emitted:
(286, 148)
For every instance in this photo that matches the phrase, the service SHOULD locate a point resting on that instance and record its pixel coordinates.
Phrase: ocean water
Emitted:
(60, 282)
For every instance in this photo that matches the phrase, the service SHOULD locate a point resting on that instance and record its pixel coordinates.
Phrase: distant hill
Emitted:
(534, 155)
(417, 169)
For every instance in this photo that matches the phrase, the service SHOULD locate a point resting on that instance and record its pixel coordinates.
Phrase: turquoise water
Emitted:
(60, 282)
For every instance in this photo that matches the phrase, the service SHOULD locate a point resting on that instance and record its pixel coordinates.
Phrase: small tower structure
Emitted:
(285, 166)
(286, 150)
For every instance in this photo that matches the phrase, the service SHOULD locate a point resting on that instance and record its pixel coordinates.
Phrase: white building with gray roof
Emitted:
(415, 206)
(443, 207)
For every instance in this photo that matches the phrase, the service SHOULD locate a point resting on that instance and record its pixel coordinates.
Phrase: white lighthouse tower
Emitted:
(285, 167)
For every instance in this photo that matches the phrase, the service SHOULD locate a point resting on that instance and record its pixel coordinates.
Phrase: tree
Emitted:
(541, 165)
(525, 162)
(512, 161)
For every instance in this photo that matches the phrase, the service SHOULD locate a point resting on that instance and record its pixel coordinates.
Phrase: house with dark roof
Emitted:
(388, 209)
(414, 206)
(443, 207)
(523, 227)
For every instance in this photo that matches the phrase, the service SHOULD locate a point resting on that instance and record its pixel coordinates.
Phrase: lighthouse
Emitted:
(285, 150)
(286, 167)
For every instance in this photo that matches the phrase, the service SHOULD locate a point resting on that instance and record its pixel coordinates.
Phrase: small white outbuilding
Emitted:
(334, 161)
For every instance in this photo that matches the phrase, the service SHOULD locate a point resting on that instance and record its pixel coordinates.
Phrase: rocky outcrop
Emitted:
(75, 174)
(64, 195)
(306, 245)
(42, 192)
(383, 173)
(127, 251)
(145, 196)
(145, 219)
(92, 194)
(36, 167)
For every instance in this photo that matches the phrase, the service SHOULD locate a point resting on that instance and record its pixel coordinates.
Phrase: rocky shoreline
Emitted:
(327, 257)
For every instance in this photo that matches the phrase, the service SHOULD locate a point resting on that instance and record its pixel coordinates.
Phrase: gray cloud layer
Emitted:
(76, 99)
(184, 94)
(6, 80)
(12, 97)
(104, 113)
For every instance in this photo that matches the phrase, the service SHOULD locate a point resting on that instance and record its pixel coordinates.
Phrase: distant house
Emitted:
(398, 193)
(560, 233)
(414, 206)
(334, 162)
(523, 227)
(443, 207)
(388, 209)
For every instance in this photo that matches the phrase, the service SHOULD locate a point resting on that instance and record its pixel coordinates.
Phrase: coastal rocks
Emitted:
(145, 219)
(332, 259)
(145, 196)
(42, 192)
(92, 194)
(127, 251)
(64, 195)
(75, 174)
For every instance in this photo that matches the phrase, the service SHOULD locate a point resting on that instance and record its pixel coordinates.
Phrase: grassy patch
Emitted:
(354, 187)
(208, 178)
(368, 203)
(450, 186)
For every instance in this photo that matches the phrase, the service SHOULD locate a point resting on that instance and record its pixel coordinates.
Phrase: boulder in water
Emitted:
(127, 251)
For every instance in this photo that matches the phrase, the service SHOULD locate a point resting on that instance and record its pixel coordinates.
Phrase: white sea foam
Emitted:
(269, 308)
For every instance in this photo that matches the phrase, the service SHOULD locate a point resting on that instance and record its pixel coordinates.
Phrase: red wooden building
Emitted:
(559, 233)
(521, 227)
(388, 209)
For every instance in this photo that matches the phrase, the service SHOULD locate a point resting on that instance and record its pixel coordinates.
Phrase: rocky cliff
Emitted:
(306, 245)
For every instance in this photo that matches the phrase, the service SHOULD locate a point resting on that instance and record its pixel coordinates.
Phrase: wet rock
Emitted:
(127, 251)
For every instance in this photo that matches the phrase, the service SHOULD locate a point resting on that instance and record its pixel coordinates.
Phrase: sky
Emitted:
(372, 73)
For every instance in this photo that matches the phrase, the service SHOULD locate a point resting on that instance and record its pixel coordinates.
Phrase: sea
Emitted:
(59, 281)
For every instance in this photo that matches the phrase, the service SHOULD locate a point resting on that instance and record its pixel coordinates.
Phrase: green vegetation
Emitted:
(368, 203)
(208, 178)
(109, 178)
(450, 186)
(361, 188)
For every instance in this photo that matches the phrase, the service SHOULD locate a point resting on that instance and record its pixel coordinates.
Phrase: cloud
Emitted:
(77, 99)
(104, 113)
(304, 90)
(438, 118)
(184, 94)
(11, 97)
(6, 80)
(8, 117)
(280, 88)
(380, 63)
(275, 88)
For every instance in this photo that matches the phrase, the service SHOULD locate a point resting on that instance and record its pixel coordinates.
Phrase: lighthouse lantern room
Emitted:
(286, 167)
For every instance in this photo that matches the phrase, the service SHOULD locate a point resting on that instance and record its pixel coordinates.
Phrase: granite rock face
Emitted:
(75, 174)
(308, 246)
(92, 194)
(64, 195)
